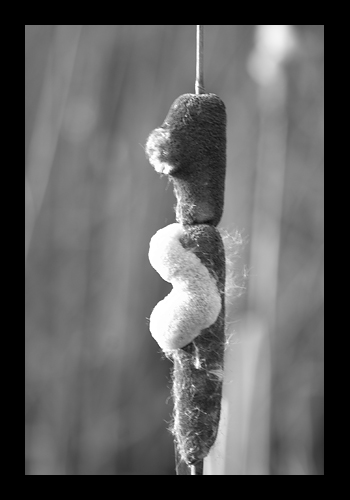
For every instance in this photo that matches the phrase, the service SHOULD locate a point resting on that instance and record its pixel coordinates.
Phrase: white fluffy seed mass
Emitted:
(194, 302)
(153, 150)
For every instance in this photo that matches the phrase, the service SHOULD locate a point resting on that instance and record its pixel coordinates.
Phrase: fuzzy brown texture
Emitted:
(190, 147)
(198, 367)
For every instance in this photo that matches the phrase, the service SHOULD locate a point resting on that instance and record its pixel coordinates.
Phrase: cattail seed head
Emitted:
(190, 147)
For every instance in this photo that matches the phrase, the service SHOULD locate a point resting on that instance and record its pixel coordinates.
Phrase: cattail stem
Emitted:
(199, 85)
(190, 147)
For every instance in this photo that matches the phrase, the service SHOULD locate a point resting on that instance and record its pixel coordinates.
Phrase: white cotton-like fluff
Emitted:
(153, 150)
(194, 302)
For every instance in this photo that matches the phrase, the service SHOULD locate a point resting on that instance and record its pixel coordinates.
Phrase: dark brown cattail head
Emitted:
(190, 147)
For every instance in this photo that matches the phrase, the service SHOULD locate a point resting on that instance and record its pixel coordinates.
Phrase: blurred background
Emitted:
(97, 388)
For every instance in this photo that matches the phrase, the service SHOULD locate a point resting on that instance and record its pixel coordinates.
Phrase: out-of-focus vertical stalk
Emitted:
(273, 45)
(49, 119)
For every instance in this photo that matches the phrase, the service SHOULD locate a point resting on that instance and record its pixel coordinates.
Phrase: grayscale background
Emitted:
(97, 388)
